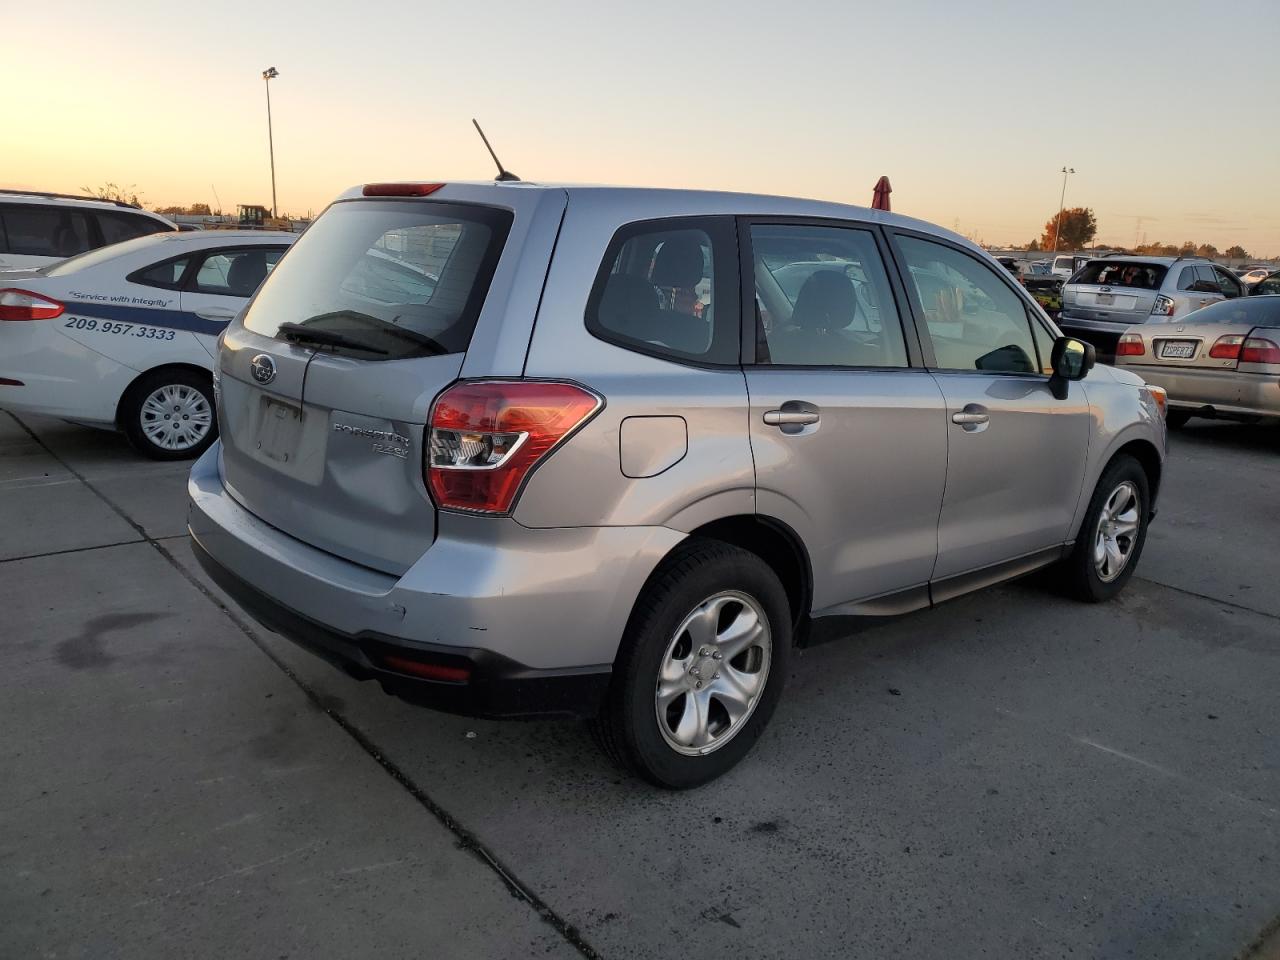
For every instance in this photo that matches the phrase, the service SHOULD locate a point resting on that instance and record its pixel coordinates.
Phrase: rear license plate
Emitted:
(278, 438)
(1177, 350)
(1106, 299)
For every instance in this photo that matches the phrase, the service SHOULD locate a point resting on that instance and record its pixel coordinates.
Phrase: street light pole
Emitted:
(1062, 204)
(267, 76)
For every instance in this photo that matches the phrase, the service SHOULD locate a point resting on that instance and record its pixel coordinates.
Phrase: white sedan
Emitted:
(125, 336)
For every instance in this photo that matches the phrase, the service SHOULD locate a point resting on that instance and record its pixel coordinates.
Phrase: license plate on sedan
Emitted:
(1106, 299)
(1177, 349)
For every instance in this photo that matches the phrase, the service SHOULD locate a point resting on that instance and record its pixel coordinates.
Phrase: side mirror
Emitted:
(1071, 359)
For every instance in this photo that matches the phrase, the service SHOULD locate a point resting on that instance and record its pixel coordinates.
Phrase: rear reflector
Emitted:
(1130, 345)
(430, 671)
(18, 304)
(1260, 350)
(400, 189)
(487, 436)
(1226, 348)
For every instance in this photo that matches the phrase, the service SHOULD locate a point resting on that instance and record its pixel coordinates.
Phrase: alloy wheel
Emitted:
(1117, 532)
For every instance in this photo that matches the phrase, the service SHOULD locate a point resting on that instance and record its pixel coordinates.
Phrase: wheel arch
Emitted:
(774, 542)
(133, 384)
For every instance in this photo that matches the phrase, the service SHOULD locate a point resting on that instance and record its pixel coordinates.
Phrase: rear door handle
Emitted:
(973, 415)
(214, 313)
(782, 418)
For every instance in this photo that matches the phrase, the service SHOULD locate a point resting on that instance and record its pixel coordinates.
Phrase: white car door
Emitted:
(221, 284)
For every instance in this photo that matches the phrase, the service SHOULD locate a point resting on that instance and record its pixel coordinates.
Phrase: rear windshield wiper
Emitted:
(299, 333)
(376, 323)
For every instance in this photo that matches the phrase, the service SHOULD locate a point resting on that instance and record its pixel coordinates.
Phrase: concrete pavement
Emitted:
(1011, 774)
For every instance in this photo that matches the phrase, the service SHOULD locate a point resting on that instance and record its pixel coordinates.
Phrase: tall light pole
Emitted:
(267, 75)
(1062, 204)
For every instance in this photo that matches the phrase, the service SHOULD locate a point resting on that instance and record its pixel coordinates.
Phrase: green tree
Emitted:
(1072, 229)
(1237, 252)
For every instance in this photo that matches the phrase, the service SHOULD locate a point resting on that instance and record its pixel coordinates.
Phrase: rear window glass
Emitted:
(385, 280)
(1120, 273)
(1255, 311)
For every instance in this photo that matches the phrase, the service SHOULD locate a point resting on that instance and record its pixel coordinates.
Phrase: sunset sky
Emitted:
(1166, 110)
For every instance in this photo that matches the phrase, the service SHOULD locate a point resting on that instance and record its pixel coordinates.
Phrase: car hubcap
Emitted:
(176, 417)
(1117, 532)
(713, 673)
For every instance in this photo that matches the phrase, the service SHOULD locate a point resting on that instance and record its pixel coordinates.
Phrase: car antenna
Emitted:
(504, 175)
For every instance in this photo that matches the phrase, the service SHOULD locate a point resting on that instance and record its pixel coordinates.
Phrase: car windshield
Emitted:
(1255, 311)
(385, 279)
(1121, 273)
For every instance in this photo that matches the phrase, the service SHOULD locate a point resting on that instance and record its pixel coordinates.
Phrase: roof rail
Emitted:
(1190, 256)
(71, 196)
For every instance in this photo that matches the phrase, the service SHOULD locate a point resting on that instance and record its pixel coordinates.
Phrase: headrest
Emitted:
(247, 271)
(827, 301)
(679, 262)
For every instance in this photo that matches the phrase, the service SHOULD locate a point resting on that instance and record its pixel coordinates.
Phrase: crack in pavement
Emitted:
(466, 839)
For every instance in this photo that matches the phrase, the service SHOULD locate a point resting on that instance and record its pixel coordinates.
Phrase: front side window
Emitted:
(1271, 285)
(235, 273)
(823, 298)
(45, 231)
(975, 322)
(386, 279)
(663, 287)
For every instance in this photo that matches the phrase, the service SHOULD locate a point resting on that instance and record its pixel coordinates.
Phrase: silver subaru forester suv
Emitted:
(518, 450)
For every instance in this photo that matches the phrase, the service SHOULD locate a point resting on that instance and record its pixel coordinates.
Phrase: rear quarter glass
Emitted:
(394, 279)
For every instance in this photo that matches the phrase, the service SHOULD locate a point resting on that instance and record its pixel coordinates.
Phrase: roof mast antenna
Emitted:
(504, 175)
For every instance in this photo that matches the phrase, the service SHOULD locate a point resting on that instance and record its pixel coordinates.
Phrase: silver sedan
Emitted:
(1222, 361)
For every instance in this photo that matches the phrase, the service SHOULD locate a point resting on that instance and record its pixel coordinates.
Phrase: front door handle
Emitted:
(783, 418)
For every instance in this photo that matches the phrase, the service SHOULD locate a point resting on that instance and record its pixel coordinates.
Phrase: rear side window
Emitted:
(391, 279)
(167, 275)
(117, 227)
(1112, 273)
(235, 273)
(45, 231)
(823, 298)
(667, 287)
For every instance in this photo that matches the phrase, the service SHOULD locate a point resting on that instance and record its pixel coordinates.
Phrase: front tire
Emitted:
(701, 667)
(1113, 533)
(169, 414)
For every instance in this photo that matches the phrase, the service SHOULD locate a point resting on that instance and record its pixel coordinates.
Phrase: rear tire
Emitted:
(1112, 535)
(169, 414)
(701, 667)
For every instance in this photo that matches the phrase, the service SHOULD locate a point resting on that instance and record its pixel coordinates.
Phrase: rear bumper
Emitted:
(1215, 393)
(60, 377)
(534, 616)
(495, 686)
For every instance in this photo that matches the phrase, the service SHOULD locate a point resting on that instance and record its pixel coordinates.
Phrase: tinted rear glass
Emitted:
(1256, 311)
(44, 231)
(1121, 273)
(389, 279)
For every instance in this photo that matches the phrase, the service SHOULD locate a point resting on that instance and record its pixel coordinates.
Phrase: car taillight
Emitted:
(486, 437)
(1226, 348)
(1260, 350)
(1130, 345)
(1163, 307)
(18, 304)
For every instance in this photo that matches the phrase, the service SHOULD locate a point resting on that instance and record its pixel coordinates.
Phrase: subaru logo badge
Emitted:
(263, 368)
